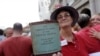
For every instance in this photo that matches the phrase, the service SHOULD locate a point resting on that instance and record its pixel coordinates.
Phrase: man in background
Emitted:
(8, 32)
(2, 37)
(17, 45)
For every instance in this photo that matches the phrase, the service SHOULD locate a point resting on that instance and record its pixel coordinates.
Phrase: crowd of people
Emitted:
(80, 32)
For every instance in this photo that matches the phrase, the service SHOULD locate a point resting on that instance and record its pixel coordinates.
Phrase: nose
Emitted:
(63, 17)
(94, 20)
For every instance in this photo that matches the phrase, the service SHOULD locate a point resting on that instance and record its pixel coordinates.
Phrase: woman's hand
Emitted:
(94, 33)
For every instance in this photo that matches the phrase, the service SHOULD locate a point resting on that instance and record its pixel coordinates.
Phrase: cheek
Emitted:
(98, 22)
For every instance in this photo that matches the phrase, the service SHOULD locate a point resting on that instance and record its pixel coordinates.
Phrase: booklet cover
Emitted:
(46, 37)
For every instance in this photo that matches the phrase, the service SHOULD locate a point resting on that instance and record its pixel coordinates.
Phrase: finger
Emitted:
(59, 54)
(54, 55)
(93, 30)
(91, 36)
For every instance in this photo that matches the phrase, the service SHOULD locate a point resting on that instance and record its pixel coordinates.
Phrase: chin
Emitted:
(64, 25)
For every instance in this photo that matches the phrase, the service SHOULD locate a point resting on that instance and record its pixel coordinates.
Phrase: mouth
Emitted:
(96, 23)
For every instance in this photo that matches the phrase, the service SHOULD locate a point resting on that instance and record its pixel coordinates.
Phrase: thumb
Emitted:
(54, 55)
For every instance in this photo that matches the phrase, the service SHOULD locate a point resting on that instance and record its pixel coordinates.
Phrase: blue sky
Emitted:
(23, 11)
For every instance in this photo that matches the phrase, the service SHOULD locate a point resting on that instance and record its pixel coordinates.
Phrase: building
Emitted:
(83, 6)
(89, 7)
(44, 12)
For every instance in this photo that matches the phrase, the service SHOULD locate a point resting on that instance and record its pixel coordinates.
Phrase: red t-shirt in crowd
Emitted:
(0, 49)
(17, 46)
(77, 48)
(92, 43)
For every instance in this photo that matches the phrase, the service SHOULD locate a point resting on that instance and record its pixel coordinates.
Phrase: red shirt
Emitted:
(75, 49)
(17, 46)
(92, 44)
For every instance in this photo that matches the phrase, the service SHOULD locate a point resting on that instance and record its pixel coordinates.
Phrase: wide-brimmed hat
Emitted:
(72, 11)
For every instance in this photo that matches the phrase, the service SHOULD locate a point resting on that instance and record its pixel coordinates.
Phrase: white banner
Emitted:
(95, 54)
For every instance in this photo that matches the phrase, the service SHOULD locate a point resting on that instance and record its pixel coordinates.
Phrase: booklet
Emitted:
(45, 37)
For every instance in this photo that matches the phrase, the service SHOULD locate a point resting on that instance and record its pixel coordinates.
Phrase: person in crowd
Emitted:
(0, 50)
(90, 35)
(8, 32)
(95, 20)
(72, 44)
(17, 45)
(2, 37)
(83, 20)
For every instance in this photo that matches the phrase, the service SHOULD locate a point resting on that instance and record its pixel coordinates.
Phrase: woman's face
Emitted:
(64, 19)
(95, 20)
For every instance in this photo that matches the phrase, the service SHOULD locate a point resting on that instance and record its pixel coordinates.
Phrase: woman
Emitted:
(72, 45)
(90, 35)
